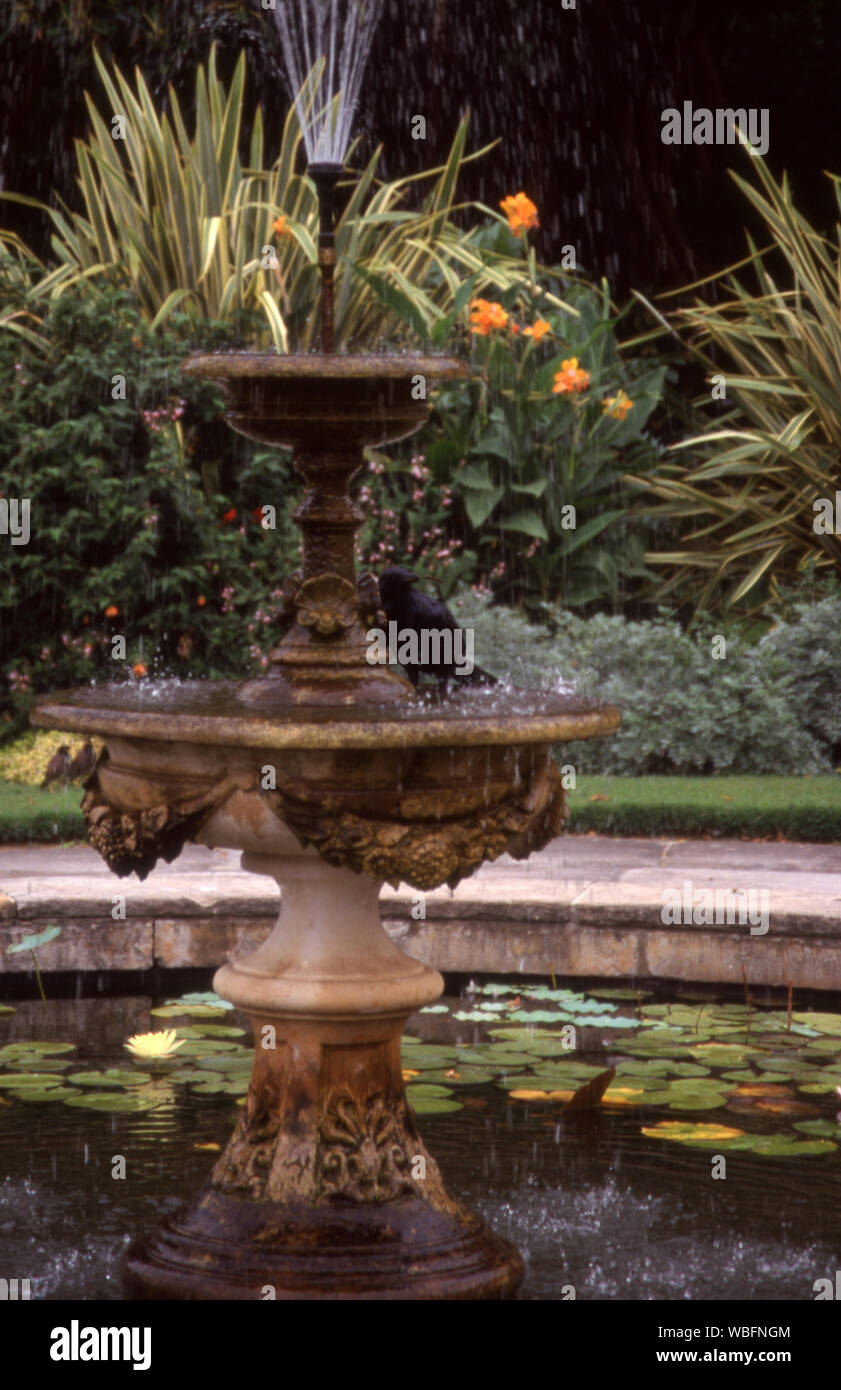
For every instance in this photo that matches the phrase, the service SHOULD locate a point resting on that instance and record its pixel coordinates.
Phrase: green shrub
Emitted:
(144, 504)
(683, 711)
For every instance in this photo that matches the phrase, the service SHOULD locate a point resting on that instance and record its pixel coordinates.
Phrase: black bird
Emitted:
(419, 613)
(83, 761)
(58, 767)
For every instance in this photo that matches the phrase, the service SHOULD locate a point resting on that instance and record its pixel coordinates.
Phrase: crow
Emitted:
(83, 761)
(416, 612)
(58, 767)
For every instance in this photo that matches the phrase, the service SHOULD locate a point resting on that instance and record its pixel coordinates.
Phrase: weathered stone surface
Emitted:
(8, 908)
(85, 944)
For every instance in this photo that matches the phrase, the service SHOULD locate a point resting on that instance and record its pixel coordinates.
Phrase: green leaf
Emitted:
(527, 523)
(34, 940)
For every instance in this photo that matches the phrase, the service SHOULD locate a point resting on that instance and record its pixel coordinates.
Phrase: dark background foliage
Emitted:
(575, 96)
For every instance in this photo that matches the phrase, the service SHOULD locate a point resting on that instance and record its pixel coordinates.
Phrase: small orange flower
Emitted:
(521, 213)
(280, 227)
(571, 377)
(618, 405)
(538, 330)
(201, 600)
(112, 611)
(485, 316)
(139, 669)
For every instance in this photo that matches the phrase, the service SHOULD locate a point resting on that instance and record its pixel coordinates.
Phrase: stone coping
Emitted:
(587, 905)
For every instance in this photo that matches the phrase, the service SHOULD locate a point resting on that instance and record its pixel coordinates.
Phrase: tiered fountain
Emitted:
(325, 1189)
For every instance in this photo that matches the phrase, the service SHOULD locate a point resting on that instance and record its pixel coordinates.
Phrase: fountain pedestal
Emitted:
(325, 1189)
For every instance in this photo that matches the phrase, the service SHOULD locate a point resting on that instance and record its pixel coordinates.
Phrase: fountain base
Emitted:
(326, 1189)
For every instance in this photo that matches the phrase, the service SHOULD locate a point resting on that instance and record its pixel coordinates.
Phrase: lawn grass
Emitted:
(791, 808)
(28, 813)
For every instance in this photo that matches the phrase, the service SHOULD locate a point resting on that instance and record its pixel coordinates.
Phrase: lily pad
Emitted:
(34, 940)
(192, 1010)
(30, 1079)
(46, 1093)
(224, 1087)
(434, 1105)
(823, 1129)
(426, 1089)
(7, 1009)
(435, 1009)
(225, 1064)
(114, 1076)
(620, 994)
(824, 1022)
(784, 1146)
(458, 1076)
(208, 1030)
(22, 1063)
(44, 1049)
(475, 1016)
(684, 1132)
(112, 1101)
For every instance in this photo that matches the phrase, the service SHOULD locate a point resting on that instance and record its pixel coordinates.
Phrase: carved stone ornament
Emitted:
(327, 605)
(363, 1155)
(444, 849)
(134, 841)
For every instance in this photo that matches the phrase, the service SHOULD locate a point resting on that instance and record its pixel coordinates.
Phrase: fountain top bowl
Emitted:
(324, 399)
(217, 713)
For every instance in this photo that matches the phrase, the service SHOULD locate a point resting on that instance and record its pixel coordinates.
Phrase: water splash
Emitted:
(325, 48)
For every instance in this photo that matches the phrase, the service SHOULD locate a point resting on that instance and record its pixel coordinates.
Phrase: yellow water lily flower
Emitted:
(154, 1045)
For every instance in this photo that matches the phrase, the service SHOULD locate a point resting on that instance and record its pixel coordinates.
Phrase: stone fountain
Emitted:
(332, 775)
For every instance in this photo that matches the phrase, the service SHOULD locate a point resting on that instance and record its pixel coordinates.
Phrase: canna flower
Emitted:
(538, 330)
(139, 669)
(485, 316)
(618, 405)
(521, 213)
(154, 1045)
(230, 515)
(201, 601)
(280, 227)
(112, 611)
(570, 377)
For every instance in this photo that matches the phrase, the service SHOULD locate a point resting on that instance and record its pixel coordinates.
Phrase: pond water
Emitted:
(590, 1200)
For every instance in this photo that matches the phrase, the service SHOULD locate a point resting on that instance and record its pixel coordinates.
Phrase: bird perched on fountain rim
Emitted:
(58, 768)
(415, 612)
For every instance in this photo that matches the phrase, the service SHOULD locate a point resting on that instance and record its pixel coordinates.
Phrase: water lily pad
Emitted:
(475, 1016)
(30, 1079)
(223, 1064)
(459, 1076)
(45, 1093)
(44, 1049)
(425, 1090)
(225, 1087)
(819, 1088)
(435, 1105)
(7, 1009)
(192, 1010)
(34, 1063)
(114, 1076)
(832, 1045)
(34, 940)
(824, 1129)
(544, 1047)
(824, 1022)
(654, 1066)
(684, 1132)
(111, 1101)
(783, 1146)
(208, 1030)
(435, 1009)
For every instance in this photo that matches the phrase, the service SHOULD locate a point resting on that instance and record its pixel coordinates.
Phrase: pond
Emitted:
(605, 1201)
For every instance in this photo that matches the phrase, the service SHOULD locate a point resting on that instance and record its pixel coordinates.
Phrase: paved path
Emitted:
(586, 905)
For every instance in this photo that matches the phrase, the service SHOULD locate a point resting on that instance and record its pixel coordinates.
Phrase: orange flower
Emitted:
(201, 600)
(139, 669)
(521, 213)
(485, 315)
(280, 227)
(112, 611)
(618, 405)
(538, 330)
(570, 377)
